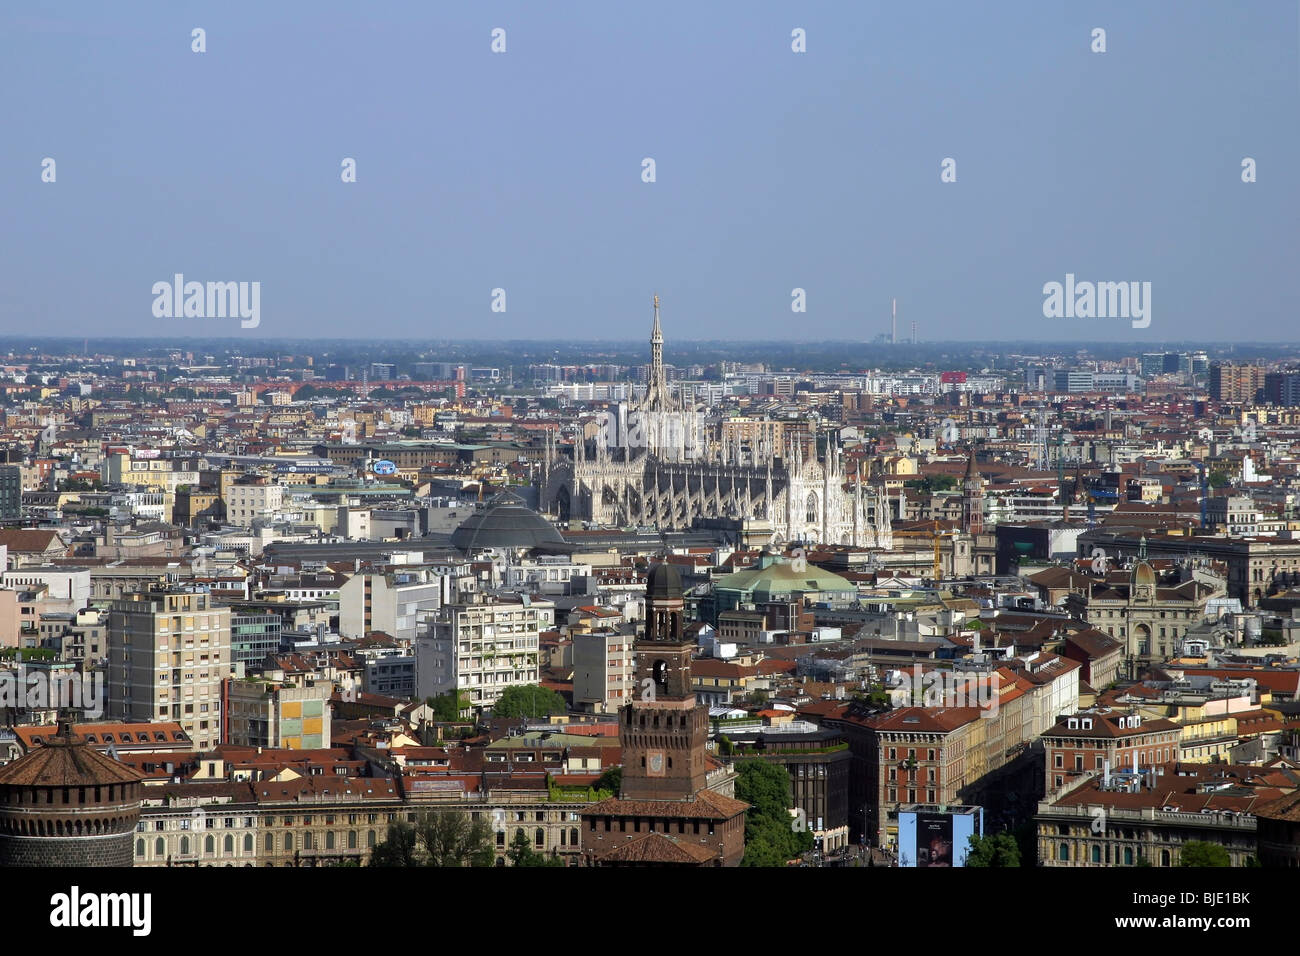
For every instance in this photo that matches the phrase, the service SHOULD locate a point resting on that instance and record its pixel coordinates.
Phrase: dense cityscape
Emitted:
(298, 606)
(788, 445)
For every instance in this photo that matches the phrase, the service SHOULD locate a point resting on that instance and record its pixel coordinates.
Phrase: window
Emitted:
(1063, 853)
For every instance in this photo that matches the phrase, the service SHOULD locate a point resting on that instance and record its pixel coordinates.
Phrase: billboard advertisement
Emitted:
(934, 839)
(931, 836)
(383, 467)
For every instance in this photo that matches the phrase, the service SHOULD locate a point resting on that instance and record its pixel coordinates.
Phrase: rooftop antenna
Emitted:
(893, 328)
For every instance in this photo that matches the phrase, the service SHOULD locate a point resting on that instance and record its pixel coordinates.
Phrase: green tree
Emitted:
(521, 853)
(999, 850)
(611, 780)
(1202, 853)
(439, 838)
(400, 847)
(1217, 479)
(451, 838)
(772, 836)
(528, 700)
(931, 484)
(448, 707)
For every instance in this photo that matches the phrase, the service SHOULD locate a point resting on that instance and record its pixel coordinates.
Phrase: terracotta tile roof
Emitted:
(29, 539)
(925, 719)
(707, 805)
(66, 761)
(121, 734)
(1287, 808)
(658, 848)
(325, 789)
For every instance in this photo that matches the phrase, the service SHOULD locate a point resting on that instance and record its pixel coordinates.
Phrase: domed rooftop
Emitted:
(1143, 573)
(663, 581)
(506, 522)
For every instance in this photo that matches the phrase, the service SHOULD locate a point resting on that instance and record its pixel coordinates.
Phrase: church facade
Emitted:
(654, 462)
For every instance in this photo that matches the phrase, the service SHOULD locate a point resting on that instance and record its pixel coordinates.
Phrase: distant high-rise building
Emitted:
(1153, 364)
(1282, 388)
(1230, 382)
(11, 492)
(1072, 380)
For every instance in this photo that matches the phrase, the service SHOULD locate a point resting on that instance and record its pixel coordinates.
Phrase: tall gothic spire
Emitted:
(657, 388)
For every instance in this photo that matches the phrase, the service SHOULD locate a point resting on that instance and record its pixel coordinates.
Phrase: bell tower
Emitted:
(662, 730)
(972, 498)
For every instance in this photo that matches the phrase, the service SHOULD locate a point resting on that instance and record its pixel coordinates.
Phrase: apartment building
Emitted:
(252, 498)
(1095, 741)
(481, 648)
(1128, 819)
(602, 671)
(1230, 382)
(274, 714)
(392, 602)
(169, 652)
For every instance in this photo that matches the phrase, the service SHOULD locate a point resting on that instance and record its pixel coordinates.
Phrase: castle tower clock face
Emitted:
(654, 762)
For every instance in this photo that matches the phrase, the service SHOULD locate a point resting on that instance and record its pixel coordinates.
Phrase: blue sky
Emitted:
(775, 170)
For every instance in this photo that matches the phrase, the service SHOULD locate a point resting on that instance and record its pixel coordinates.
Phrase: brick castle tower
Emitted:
(67, 804)
(665, 813)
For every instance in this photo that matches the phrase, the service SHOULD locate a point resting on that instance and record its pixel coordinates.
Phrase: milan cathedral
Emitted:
(654, 463)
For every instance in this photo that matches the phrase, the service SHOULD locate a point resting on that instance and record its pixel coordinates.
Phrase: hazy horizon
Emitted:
(775, 170)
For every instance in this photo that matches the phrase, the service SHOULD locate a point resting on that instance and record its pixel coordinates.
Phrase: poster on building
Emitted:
(933, 839)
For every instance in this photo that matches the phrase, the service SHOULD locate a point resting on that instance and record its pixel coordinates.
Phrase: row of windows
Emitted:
(911, 796)
(1096, 855)
(1145, 758)
(911, 753)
